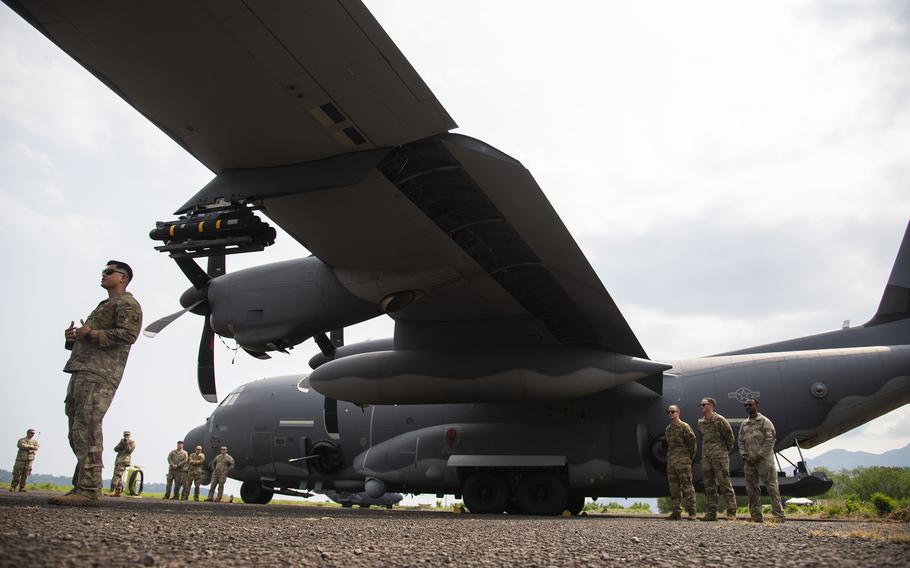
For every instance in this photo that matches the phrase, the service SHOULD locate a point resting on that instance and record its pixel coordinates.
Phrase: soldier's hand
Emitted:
(70, 332)
(82, 330)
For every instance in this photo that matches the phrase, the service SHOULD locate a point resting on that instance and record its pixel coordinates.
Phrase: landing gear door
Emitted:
(261, 452)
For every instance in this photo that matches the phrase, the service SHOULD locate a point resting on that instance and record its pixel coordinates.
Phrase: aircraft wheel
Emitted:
(347, 505)
(389, 507)
(254, 493)
(364, 506)
(486, 492)
(542, 493)
(575, 504)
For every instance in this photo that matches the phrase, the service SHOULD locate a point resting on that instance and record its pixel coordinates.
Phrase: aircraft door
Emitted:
(261, 452)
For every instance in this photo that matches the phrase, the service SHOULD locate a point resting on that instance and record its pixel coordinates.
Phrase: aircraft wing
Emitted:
(310, 110)
(250, 83)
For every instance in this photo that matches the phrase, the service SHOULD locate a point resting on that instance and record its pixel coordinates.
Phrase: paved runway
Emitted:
(131, 532)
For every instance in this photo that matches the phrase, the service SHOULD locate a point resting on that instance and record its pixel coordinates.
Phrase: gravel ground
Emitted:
(131, 532)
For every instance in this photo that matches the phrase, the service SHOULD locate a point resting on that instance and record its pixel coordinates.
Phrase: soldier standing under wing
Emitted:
(716, 445)
(176, 466)
(194, 473)
(756, 445)
(25, 455)
(221, 466)
(124, 449)
(100, 347)
(680, 456)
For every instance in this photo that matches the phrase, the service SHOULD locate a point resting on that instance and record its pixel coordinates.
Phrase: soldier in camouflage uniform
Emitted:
(716, 445)
(25, 455)
(680, 456)
(221, 466)
(100, 347)
(176, 468)
(194, 473)
(756, 446)
(124, 449)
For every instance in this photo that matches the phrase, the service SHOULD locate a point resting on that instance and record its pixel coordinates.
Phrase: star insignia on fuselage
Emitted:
(742, 394)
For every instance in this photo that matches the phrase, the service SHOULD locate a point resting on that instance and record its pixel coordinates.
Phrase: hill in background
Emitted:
(836, 460)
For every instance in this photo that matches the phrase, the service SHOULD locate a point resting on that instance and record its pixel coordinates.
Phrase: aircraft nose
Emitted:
(195, 437)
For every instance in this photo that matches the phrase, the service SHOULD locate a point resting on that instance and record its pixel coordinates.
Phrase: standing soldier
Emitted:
(25, 455)
(221, 466)
(100, 347)
(194, 473)
(716, 445)
(680, 457)
(176, 465)
(756, 445)
(124, 449)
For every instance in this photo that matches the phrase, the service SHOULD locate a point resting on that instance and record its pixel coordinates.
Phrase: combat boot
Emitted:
(209, 498)
(166, 497)
(23, 490)
(692, 516)
(75, 500)
(185, 497)
(731, 515)
(674, 516)
(756, 520)
(709, 517)
(196, 497)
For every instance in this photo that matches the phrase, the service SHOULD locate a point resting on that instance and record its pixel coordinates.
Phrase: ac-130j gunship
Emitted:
(512, 377)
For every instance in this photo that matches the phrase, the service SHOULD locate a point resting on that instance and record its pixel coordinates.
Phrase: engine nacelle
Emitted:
(276, 306)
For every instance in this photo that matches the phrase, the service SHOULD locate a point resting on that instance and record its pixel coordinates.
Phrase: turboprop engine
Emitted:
(276, 306)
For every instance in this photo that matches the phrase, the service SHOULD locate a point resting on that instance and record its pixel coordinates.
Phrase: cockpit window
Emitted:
(232, 398)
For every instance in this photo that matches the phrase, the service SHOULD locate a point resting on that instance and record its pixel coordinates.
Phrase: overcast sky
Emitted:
(736, 173)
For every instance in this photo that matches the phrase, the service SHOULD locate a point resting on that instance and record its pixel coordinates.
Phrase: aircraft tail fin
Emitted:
(895, 304)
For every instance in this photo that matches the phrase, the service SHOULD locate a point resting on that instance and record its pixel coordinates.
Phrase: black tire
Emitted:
(136, 483)
(542, 493)
(486, 492)
(575, 504)
(347, 505)
(254, 493)
(389, 507)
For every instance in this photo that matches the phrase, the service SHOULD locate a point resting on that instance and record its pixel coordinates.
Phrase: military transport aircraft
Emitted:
(512, 377)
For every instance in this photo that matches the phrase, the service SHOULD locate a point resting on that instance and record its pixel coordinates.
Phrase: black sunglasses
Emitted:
(671, 412)
(705, 404)
(109, 271)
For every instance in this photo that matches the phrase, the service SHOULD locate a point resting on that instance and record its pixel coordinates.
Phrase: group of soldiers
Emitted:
(756, 447)
(185, 470)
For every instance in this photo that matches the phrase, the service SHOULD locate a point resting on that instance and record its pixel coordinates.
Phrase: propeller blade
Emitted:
(337, 337)
(197, 277)
(216, 266)
(156, 326)
(205, 371)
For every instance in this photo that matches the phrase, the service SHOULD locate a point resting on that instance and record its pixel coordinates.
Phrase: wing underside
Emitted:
(310, 111)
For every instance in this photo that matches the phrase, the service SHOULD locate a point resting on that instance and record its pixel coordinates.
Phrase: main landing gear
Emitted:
(540, 492)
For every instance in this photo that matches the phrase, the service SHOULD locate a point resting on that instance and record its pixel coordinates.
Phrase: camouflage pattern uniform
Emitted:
(193, 474)
(716, 445)
(96, 368)
(756, 440)
(680, 456)
(221, 466)
(124, 449)
(24, 458)
(176, 468)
